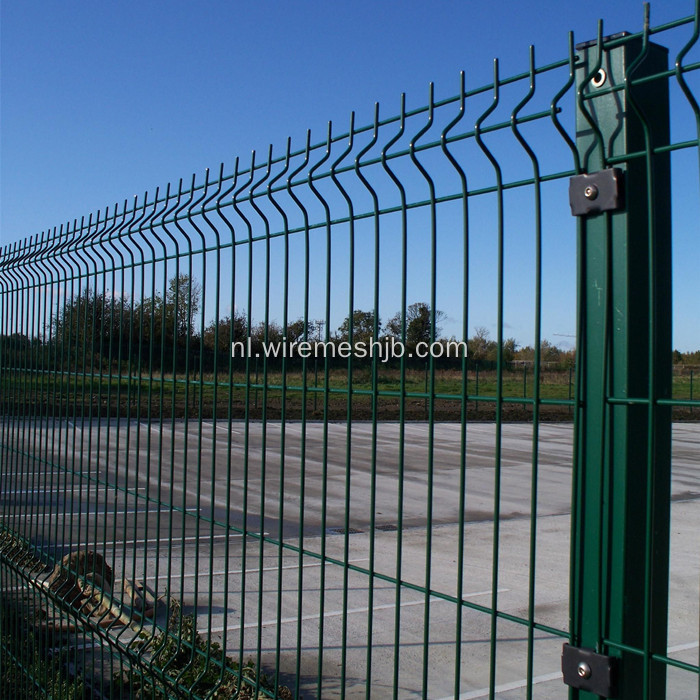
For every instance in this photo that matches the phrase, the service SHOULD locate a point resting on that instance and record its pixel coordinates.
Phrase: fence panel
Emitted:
(236, 457)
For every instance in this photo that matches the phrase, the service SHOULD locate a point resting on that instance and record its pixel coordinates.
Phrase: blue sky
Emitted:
(101, 101)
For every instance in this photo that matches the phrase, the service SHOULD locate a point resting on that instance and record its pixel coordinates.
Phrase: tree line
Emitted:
(164, 332)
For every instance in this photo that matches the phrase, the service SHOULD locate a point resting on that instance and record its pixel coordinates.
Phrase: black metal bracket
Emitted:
(593, 193)
(585, 670)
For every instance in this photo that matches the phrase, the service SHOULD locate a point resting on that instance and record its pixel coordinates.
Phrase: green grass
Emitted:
(297, 394)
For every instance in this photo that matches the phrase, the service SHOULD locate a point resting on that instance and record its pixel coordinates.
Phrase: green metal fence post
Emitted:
(622, 490)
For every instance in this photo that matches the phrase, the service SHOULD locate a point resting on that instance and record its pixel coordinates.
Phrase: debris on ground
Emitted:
(85, 582)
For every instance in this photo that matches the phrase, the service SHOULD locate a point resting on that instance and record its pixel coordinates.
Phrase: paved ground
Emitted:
(361, 618)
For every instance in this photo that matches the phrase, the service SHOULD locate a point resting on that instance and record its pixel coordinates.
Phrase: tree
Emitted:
(182, 301)
(548, 353)
(362, 327)
(230, 329)
(297, 329)
(510, 347)
(91, 325)
(419, 324)
(480, 346)
(271, 332)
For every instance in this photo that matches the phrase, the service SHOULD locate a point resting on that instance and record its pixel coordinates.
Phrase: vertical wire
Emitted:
(431, 386)
(5, 410)
(71, 377)
(22, 369)
(74, 263)
(23, 507)
(144, 412)
(119, 468)
(38, 477)
(214, 197)
(349, 403)
(101, 228)
(6, 474)
(158, 332)
(16, 467)
(302, 475)
(117, 325)
(374, 408)
(199, 206)
(155, 221)
(81, 339)
(233, 327)
(6, 374)
(554, 106)
(499, 377)
(47, 273)
(170, 305)
(172, 296)
(326, 399)
(134, 379)
(42, 391)
(578, 413)
(12, 320)
(248, 242)
(402, 390)
(131, 370)
(24, 271)
(133, 397)
(463, 400)
(581, 104)
(537, 375)
(283, 412)
(9, 509)
(88, 336)
(681, 79)
(185, 326)
(5, 455)
(65, 316)
(35, 481)
(61, 315)
(92, 477)
(696, 112)
(82, 336)
(50, 446)
(263, 441)
(147, 326)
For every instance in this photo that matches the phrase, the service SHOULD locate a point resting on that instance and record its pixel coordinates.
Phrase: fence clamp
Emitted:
(592, 193)
(585, 670)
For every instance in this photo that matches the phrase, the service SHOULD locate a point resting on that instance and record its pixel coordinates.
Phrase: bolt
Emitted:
(583, 670)
(591, 192)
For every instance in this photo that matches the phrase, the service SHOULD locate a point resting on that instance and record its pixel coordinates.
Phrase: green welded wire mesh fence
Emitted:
(243, 450)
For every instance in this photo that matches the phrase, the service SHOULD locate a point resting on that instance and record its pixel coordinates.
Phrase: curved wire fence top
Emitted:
(497, 140)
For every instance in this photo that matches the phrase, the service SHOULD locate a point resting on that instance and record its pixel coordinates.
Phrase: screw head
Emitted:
(583, 670)
(591, 192)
